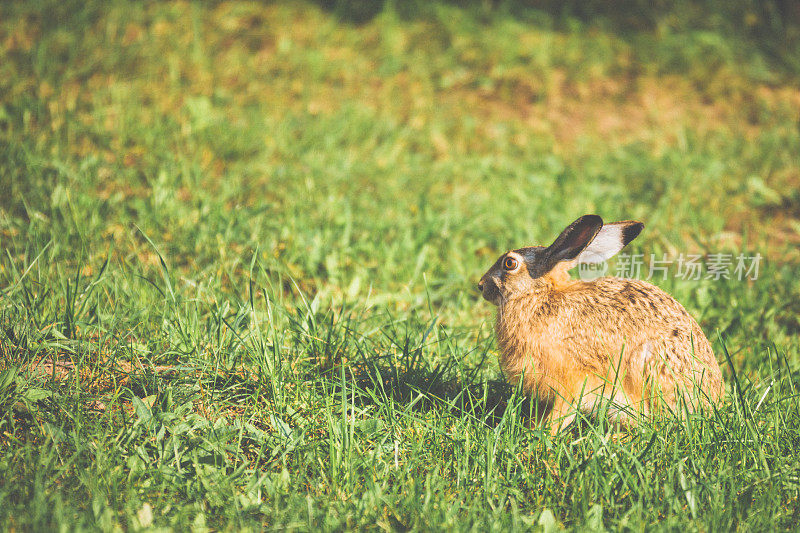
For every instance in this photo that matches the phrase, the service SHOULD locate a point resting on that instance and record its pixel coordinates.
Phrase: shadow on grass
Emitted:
(778, 17)
(423, 390)
(771, 26)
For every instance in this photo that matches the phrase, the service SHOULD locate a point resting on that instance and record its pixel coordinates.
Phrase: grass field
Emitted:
(240, 244)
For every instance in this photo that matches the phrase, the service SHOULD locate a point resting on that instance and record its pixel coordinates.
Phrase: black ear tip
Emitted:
(591, 219)
(631, 231)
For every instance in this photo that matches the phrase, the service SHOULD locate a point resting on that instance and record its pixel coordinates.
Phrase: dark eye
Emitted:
(509, 263)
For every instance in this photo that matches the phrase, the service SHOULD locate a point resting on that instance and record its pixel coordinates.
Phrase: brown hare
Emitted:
(575, 343)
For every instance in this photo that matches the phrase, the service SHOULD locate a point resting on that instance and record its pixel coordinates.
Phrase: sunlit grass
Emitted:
(239, 250)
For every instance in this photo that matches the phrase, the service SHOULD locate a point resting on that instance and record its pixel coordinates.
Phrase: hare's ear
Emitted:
(574, 239)
(609, 241)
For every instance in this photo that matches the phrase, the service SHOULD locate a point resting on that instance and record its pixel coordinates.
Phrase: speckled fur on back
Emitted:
(575, 343)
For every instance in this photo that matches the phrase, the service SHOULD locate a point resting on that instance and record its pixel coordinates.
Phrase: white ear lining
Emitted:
(608, 242)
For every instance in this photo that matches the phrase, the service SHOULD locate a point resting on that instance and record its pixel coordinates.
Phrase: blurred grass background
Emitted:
(240, 240)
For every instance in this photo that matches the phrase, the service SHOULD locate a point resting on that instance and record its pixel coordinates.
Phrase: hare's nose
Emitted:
(480, 286)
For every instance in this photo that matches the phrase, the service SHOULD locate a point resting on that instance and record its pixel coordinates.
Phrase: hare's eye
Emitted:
(509, 263)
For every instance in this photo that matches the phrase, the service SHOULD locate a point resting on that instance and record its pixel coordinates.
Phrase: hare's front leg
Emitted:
(561, 415)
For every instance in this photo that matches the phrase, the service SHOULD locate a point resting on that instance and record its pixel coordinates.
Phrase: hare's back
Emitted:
(655, 330)
(639, 306)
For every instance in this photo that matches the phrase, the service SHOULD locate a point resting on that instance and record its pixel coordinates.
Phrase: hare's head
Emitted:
(525, 270)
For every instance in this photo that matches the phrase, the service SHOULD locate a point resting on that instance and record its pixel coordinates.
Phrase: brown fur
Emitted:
(574, 343)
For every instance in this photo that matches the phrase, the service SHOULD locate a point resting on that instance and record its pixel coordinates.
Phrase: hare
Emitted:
(575, 344)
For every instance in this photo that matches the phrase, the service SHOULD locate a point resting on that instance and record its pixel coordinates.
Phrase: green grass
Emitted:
(240, 243)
